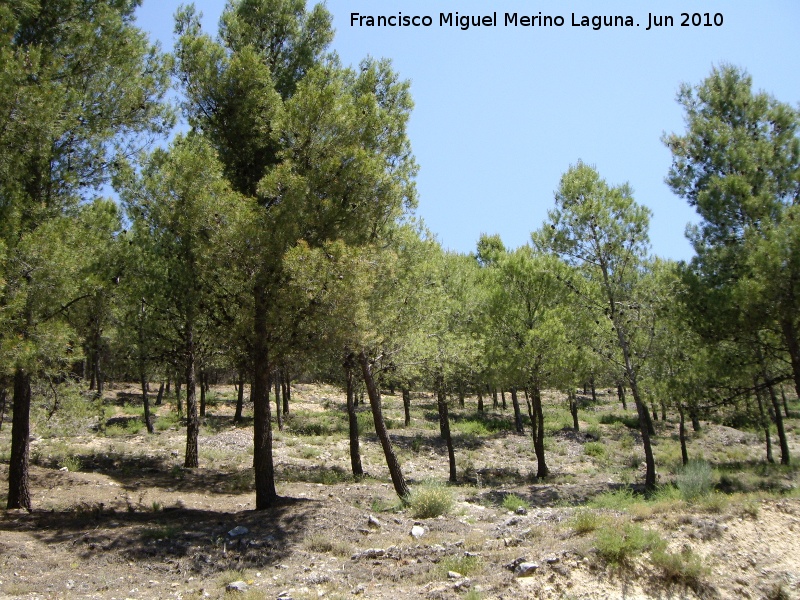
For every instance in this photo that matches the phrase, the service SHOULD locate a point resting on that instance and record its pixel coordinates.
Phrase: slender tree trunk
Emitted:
(792, 344)
(461, 397)
(444, 430)
(594, 391)
(764, 422)
(266, 495)
(682, 436)
(19, 495)
(148, 420)
(783, 396)
(407, 406)
(663, 411)
(202, 394)
(392, 463)
(573, 408)
(503, 396)
(480, 401)
(178, 399)
(278, 417)
(286, 387)
(655, 412)
(352, 418)
(237, 417)
(517, 414)
(169, 388)
(621, 396)
(192, 420)
(3, 397)
(160, 395)
(495, 403)
(782, 440)
(537, 430)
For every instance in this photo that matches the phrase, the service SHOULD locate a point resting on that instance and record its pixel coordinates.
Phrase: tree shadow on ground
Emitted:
(194, 540)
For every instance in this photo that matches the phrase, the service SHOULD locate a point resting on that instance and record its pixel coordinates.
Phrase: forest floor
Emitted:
(116, 516)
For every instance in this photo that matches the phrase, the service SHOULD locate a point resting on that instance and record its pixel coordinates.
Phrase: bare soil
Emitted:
(129, 522)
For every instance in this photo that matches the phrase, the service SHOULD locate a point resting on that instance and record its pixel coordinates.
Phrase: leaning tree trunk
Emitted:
(352, 418)
(19, 495)
(160, 396)
(278, 417)
(237, 417)
(572, 398)
(517, 414)
(776, 411)
(395, 471)
(764, 422)
(148, 420)
(266, 495)
(407, 406)
(444, 430)
(682, 436)
(191, 460)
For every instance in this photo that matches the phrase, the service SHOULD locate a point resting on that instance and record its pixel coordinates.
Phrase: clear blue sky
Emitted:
(501, 112)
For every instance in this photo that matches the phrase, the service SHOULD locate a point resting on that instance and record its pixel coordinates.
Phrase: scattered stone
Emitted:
(526, 569)
(374, 523)
(454, 575)
(63, 469)
(417, 531)
(515, 563)
(238, 530)
(236, 586)
(551, 560)
(359, 589)
(521, 510)
(371, 553)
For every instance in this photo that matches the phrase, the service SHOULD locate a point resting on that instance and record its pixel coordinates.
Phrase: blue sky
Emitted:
(501, 112)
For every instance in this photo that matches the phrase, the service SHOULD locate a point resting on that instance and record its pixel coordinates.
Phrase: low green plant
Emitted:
(684, 567)
(309, 453)
(618, 545)
(72, 463)
(416, 443)
(381, 505)
(621, 499)
(512, 502)
(161, 533)
(695, 480)
(430, 500)
(585, 521)
(166, 421)
(595, 449)
(467, 565)
(471, 427)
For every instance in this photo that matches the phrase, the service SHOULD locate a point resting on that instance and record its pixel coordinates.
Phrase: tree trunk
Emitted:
(503, 396)
(517, 414)
(444, 430)
(663, 411)
(237, 417)
(790, 337)
(395, 471)
(191, 460)
(169, 383)
(537, 430)
(461, 397)
(783, 396)
(266, 495)
(573, 408)
(148, 421)
(784, 443)
(202, 394)
(407, 406)
(286, 387)
(655, 413)
(495, 403)
(19, 495)
(352, 418)
(621, 396)
(3, 397)
(178, 399)
(594, 391)
(764, 423)
(160, 396)
(278, 417)
(480, 401)
(682, 436)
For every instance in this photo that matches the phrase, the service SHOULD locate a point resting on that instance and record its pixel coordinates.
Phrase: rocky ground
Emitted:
(116, 516)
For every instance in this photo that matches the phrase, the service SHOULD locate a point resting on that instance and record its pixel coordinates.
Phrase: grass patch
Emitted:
(466, 565)
(160, 533)
(72, 463)
(471, 427)
(586, 521)
(166, 421)
(512, 502)
(684, 568)
(322, 543)
(595, 449)
(621, 499)
(627, 421)
(430, 500)
(695, 480)
(618, 545)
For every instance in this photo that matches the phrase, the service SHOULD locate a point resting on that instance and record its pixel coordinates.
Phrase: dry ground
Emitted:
(125, 520)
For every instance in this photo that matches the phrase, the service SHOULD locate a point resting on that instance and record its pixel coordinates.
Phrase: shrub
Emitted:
(586, 521)
(430, 500)
(463, 565)
(512, 502)
(621, 499)
(72, 463)
(618, 545)
(695, 480)
(594, 449)
(683, 567)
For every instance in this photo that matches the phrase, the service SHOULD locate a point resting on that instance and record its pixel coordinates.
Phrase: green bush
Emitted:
(430, 500)
(695, 480)
(683, 567)
(595, 449)
(513, 502)
(621, 499)
(586, 521)
(463, 565)
(618, 546)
